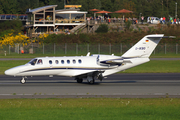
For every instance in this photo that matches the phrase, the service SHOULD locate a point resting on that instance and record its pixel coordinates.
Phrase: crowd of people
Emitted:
(170, 20)
(108, 19)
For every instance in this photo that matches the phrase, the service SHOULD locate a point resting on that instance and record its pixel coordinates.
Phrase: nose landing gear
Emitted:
(22, 80)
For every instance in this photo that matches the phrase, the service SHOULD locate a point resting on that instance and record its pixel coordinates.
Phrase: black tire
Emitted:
(22, 81)
(79, 80)
(91, 82)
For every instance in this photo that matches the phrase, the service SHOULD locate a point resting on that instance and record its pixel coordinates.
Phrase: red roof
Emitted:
(103, 12)
(94, 10)
(123, 11)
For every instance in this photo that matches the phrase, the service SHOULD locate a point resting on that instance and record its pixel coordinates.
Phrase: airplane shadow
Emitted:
(84, 83)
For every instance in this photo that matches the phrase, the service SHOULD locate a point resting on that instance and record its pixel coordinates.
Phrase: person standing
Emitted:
(177, 20)
(174, 20)
(109, 20)
(171, 20)
(164, 20)
(142, 19)
(152, 18)
(161, 20)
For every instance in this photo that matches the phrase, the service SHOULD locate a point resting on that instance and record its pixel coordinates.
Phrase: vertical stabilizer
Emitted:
(144, 47)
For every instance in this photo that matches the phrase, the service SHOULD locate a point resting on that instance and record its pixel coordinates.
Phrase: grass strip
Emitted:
(90, 108)
(154, 66)
(15, 55)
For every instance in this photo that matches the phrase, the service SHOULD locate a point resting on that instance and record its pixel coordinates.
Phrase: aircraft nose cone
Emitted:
(9, 72)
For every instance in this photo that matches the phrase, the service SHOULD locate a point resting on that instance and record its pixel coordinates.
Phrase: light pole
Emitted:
(176, 11)
(64, 3)
(140, 17)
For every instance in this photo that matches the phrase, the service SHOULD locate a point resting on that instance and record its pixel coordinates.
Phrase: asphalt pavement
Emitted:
(149, 85)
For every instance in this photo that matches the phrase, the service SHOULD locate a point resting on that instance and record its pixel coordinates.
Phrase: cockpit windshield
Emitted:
(32, 62)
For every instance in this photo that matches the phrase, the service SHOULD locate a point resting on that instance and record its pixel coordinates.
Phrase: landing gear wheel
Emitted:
(23, 80)
(92, 81)
(79, 80)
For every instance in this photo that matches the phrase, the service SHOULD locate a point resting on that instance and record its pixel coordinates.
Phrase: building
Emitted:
(47, 19)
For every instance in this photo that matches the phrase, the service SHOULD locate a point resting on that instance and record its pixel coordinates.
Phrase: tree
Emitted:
(103, 28)
(106, 5)
(1, 9)
(9, 6)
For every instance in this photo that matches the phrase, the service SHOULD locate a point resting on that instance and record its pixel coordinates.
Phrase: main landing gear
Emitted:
(91, 82)
(89, 79)
(79, 80)
(22, 80)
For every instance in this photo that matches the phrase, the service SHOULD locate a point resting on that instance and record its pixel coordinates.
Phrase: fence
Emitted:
(82, 49)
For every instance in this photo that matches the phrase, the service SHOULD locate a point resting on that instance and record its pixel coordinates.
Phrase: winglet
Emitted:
(169, 37)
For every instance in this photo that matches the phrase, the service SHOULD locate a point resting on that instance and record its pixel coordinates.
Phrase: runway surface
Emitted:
(150, 85)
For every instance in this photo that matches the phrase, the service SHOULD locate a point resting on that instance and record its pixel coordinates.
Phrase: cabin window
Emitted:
(32, 62)
(68, 61)
(62, 61)
(74, 61)
(79, 61)
(40, 61)
(50, 61)
(56, 61)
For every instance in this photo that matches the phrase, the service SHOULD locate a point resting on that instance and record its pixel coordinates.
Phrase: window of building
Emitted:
(49, 16)
(62, 16)
(77, 16)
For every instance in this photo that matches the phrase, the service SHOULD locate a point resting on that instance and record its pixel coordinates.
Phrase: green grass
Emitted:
(157, 66)
(15, 55)
(4, 65)
(90, 109)
(154, 66)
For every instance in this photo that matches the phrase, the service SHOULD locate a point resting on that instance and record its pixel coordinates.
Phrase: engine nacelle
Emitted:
(109, 59)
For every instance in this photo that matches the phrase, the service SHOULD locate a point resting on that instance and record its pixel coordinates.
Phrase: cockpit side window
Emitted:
(33, 61)
(40, 61)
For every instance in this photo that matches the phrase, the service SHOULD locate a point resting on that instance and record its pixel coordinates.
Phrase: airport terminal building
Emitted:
(47, 19)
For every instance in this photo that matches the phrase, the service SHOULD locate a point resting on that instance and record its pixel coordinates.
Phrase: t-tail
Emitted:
(145, 46)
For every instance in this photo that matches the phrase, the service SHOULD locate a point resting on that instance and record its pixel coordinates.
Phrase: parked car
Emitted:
(153, 20)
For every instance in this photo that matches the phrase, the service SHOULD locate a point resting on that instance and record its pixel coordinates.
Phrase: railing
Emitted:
(13, 16)
(82, 49)
(69, 21)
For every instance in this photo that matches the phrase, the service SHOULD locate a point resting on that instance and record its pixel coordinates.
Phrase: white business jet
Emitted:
(89, 67)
